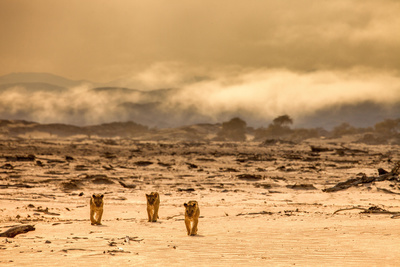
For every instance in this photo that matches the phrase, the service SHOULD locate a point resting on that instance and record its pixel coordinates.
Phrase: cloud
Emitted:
(162, 75)
(85, 40)
(256, 95)
(266, 94)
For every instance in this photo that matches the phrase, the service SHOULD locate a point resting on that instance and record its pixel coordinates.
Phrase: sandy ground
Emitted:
(260, 205)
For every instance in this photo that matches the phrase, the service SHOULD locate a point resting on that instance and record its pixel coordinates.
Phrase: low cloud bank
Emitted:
(257, 96)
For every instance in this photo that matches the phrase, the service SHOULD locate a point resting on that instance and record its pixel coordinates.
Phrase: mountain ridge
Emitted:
(40, 77)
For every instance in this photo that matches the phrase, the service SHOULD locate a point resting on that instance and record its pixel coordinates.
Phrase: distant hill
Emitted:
(362, 114)
(122, 90)
(33, 87)
(16, 128)
(46, 78)
(129, 129)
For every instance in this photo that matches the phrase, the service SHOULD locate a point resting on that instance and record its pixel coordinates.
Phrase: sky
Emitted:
(286, 50)
(103, 40)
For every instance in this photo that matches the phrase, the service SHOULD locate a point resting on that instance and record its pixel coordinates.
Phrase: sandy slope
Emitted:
(249, 222)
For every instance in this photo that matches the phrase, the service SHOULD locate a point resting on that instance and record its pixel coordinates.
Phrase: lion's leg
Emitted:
(92, 220)
(99, 215)
(155, 215)
(149, 215)
(194, 227)
(187, 223)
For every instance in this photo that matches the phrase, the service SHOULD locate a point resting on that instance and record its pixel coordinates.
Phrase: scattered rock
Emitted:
(112, 243)
(30, 157)
(143, 163)
(69, 158)
(302, 186)
(320, 149)
(109, 155)
(162, 164)
(7, 166)
(16, 185)
(46, 211)
(191, 165)
(127, 185)
(108, 168)
(255, 213)
(206, 159)
(249, 177)
(55, 161)
(102, 180)
(70, 185)
(228, 170)
(81, 168)
(39, 163)
(265, 186)
(382, 171)
(186, 190)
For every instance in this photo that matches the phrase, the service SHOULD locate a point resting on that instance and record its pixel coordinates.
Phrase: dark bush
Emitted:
(234, 130)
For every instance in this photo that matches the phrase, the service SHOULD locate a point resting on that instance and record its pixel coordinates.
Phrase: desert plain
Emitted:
(262, 204)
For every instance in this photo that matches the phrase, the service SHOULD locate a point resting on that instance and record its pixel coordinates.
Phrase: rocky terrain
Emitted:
(262, 203)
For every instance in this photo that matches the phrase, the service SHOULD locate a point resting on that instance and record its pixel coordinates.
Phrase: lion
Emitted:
(192, 213)
(153, 204)
(96, 209)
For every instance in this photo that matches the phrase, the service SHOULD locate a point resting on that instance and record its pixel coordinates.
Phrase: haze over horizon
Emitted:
(254, 59)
